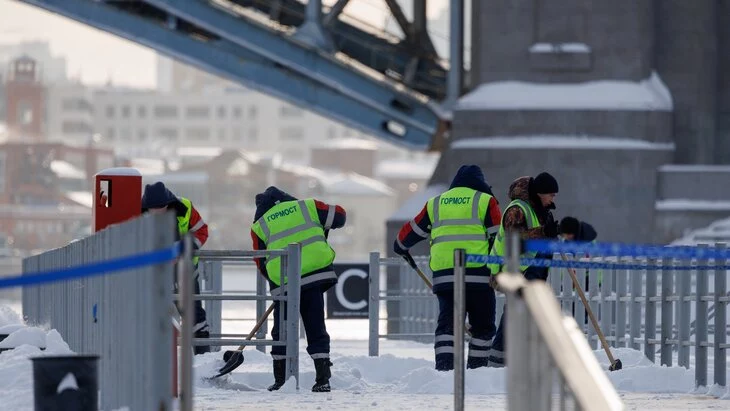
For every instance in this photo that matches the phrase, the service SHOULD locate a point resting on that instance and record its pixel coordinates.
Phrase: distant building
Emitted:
(25, 101)
(45, 198)
(54, 67)
(140, 123)
(224, 189)
(70, 113)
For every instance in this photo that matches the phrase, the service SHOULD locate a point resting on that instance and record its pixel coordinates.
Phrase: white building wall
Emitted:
(69, 113)
(142, 122)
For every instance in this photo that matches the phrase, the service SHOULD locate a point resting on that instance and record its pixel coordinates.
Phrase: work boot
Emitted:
(476, 362)
(279, 375)
(201, 349)
(444, 364)
(322, 380)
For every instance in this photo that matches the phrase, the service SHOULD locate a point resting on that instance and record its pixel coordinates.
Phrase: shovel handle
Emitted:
(594, 321)
(258, 325)
(420, 273)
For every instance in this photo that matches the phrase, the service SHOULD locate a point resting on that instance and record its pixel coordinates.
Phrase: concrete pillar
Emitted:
(686, 58)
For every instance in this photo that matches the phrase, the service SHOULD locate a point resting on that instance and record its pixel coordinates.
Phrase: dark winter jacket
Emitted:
(419, 229)
(157, 195)
(515, 219)
(271, 197)
(471, 176)
(586, 232)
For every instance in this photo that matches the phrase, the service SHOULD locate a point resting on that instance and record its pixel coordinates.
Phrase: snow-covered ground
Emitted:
(401, 378)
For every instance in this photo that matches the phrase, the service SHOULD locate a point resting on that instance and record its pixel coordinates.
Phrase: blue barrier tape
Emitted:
(543, 262)
(93, 269)
(626, 250)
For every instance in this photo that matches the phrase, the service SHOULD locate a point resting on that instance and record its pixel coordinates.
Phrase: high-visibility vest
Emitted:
(290, 222)
(499, 243)
(457, 221)
(183, 223)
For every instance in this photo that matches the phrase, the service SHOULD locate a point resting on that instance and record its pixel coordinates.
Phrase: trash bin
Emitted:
(69, 383)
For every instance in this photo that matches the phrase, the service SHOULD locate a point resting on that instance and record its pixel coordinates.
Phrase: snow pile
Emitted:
(16, 369)
(685, 204)
(8, 316)
(641, 375)
(559, 48)
(649, 94)
(399, 375)
(717, 231)
(541, 142)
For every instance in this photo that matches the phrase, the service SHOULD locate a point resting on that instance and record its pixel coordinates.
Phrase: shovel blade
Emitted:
(235, 360)
(616, 365)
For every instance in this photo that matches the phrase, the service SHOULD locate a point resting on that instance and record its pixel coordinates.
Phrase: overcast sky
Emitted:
(96, 56)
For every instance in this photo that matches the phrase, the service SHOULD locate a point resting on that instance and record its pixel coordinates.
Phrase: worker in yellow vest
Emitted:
(281, 220)
(529, 213)
(466, 217)
(157, 199)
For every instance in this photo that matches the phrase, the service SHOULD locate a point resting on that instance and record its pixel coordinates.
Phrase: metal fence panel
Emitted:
(123, 317)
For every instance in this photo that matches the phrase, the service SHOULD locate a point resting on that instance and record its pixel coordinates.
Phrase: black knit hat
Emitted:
(570, 225)
(544, 183)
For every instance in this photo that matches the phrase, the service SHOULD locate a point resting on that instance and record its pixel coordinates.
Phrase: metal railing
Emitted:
(639, 308)
(212, 262)
(544, 344)
(417, 307)
(124, 318)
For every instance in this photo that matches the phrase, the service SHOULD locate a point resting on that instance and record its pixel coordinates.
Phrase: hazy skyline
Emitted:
(95, 56)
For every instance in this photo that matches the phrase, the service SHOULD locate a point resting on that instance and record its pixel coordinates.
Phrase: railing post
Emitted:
(185, 277)
(650, 322)
(635, 307)
(260, 310)
(701, 314)
(621, 288)
(605, 309)
(374, 307)
(667, 316)
(520, 330)
(459, 302)
(684, 289)
(293, 290)
(567, 300)
(720, 319)
(212, 273)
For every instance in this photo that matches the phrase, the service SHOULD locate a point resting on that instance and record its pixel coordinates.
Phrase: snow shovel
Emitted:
(234, 359)
(425, 279)
(615, 363)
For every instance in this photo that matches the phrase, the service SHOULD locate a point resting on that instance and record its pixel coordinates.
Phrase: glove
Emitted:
(551, 228)
(398, 250)
(493, 283)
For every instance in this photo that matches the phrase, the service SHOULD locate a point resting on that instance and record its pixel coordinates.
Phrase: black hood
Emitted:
(471, 176)
(587, 232)
(157, 195)
(268, 199)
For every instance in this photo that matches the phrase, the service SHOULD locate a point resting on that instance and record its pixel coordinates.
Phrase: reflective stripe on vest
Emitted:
(183, 223)
(465, 229)
(292, 222)
(499, 243)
